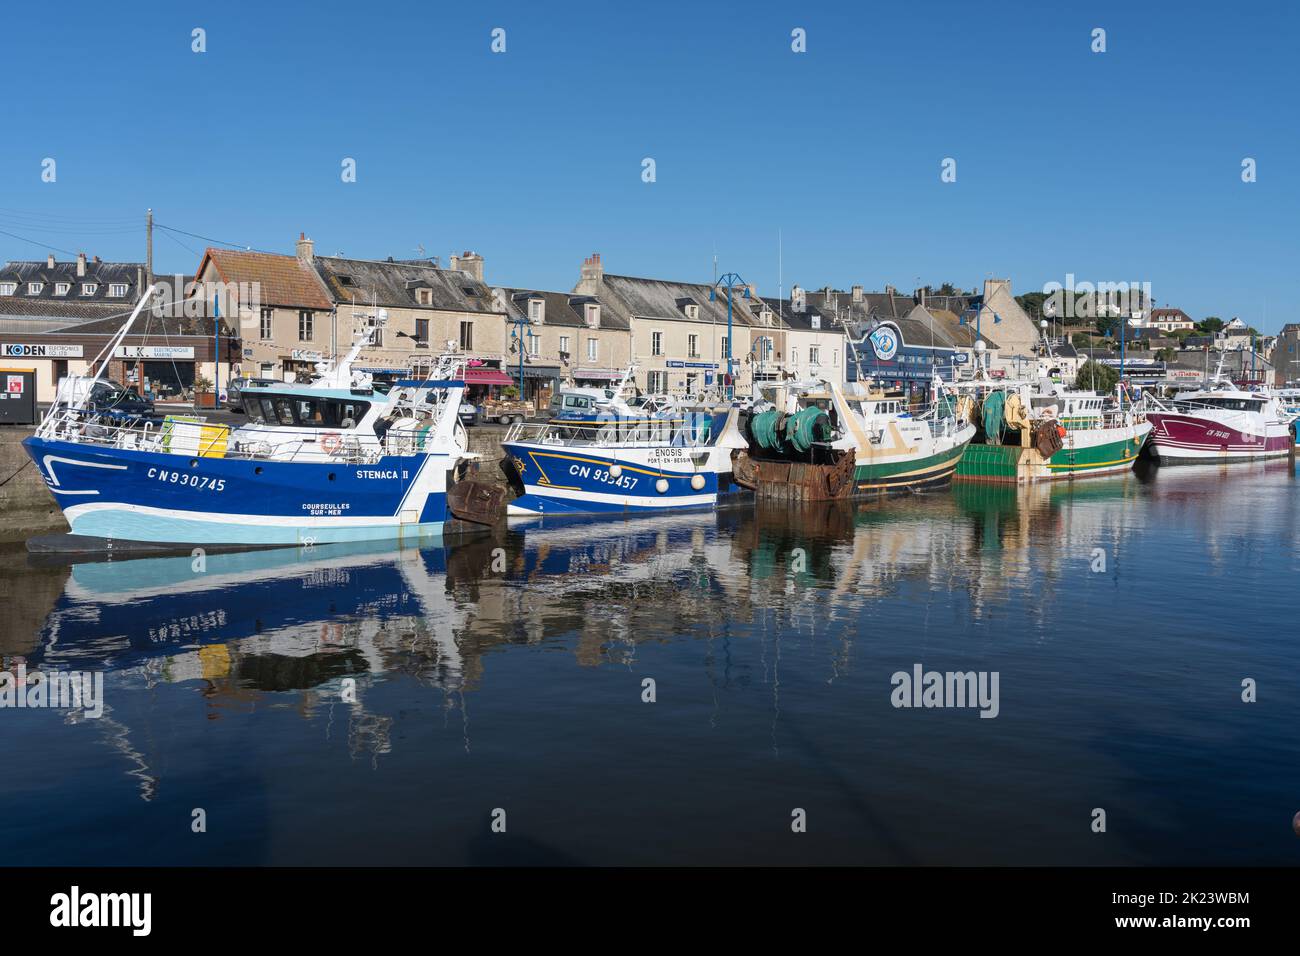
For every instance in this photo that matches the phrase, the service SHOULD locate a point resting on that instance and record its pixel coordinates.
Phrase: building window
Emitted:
(424, 296)
(656, 343)
(534, 310)
(593, 315)
(467, 335)
(814, 355)
(726, 347)
(656, 382)
(591, 350)
(422, 329)
(89, 288)
(117, 289)
(34, 288)
(61, 288)
(693, 346)
(305, 322)
(794, 358)
(564, 345)
(534, 345)
(376, 337)
(835, 358)
(8, 288)
(264, 327)
(693, 312)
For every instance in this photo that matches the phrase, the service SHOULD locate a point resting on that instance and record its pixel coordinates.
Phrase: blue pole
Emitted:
(1123, 330)
(216, 350)
(731, 384)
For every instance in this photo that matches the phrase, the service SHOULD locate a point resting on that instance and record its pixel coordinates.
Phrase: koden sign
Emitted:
(20, 350)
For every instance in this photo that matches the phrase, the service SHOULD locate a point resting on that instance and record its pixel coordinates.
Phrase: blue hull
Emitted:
(572, 480)
(175, 499)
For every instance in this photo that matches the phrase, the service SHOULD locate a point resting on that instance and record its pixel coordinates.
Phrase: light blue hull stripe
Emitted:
(135, 526)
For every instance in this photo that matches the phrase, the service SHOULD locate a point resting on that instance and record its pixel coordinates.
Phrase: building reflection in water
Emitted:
(301, 628)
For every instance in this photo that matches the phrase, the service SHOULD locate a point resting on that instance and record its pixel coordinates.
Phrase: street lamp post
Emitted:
(729, 281)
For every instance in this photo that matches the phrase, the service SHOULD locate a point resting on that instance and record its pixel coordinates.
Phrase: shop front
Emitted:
(483, 382)
(539, 384)
(596, 377)
(158, 372)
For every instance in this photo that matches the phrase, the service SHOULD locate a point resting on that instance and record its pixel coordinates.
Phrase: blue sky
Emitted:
(1118, 166)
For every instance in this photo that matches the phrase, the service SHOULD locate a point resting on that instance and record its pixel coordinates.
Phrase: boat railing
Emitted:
(200, 438)
(683, 430)
(1101, 418)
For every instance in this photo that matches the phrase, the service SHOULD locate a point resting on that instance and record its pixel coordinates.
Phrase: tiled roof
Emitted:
(396, 284)
(283, 280)
(562, 309)
(74, 303)
(663, 299)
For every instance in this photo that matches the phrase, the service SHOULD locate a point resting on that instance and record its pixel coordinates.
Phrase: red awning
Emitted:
(487, 376)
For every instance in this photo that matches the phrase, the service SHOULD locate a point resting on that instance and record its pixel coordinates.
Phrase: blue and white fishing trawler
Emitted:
(625, 464)
(313, 464)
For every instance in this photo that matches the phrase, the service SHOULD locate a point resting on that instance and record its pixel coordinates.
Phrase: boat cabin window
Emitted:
(1233, 404)
(577, 402)
(304, 412)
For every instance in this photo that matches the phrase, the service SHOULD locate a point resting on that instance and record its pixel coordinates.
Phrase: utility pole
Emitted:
(148, 247)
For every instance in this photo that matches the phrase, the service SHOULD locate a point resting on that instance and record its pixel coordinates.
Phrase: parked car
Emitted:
(468, 414)
(105, 397)
(234, 401)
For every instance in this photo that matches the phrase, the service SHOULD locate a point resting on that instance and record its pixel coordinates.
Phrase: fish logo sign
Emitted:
(884, 342)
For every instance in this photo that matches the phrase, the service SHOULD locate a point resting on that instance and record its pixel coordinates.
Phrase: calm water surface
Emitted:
(513, 679)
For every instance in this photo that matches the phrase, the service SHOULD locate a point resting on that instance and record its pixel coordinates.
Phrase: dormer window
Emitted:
(61, 288)
(424, 296)
(816, 321)
(692, 312)
(34, 288)
(89, 288)
(593, 315)
(8, 288)
(765, 316)
(536, 311)
(117, 289)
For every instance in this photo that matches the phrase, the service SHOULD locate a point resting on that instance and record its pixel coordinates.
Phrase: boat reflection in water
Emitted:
(405, 691)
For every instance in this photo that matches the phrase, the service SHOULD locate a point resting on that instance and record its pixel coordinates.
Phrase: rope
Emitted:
(15, 474)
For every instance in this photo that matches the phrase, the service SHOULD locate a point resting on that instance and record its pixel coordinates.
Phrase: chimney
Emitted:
(993, 285)
(890, 290)
(471, 263)
(857, 294)
(49, 261)
(81, 264)
(593, 274)
(796, 299)
(306, 248)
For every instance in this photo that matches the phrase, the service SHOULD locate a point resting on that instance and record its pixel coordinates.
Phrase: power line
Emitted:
(220, 242)
(35, 242)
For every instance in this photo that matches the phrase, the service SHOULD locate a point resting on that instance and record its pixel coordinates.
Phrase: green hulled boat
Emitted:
(1041, 431)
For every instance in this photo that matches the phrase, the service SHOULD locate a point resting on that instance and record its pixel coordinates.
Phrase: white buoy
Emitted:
(615, 471)
(661, 485)
(697, 482)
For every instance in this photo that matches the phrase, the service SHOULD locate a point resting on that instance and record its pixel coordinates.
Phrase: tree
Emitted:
(1108, 325)
(1096, 377)
(1081, 340)
(1166, 355)
(1210, 325)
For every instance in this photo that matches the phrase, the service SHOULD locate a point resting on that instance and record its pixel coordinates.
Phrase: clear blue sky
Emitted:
(1121, 166)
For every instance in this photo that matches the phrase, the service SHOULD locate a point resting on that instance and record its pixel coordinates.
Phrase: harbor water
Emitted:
(703, 688)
